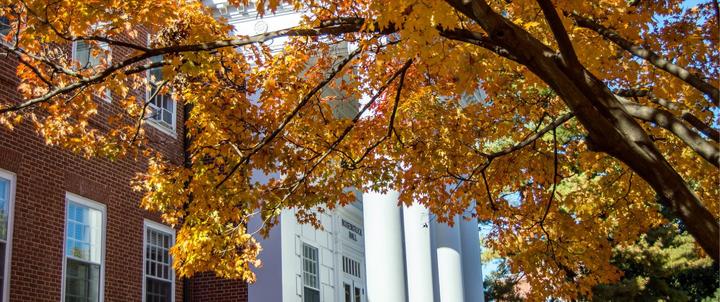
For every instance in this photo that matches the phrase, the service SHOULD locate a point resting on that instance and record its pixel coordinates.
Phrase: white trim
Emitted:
(161, 127)
(165, 229)
(70, 197)
(8, 247)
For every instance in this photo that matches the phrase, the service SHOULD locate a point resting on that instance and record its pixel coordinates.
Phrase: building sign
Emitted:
(354, 230)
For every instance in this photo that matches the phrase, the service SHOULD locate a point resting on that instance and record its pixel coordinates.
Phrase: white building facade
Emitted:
(370, 251)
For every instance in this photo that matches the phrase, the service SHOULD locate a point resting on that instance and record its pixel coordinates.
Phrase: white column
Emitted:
(384, 261)
(418, 253)
(449, 262)
(472, 267)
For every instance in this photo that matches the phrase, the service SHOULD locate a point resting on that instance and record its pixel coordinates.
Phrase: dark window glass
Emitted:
(348, 294)
(157, 290)
(311, 295)
(4, 25)
(82, 283)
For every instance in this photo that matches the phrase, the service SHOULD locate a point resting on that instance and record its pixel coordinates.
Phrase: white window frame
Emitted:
(149, 224)
(8, 246)
(70, 197)
(107, 96)
(164, 128)
(317, 273)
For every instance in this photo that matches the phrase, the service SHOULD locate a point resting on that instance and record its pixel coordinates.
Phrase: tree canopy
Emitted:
(589, 110)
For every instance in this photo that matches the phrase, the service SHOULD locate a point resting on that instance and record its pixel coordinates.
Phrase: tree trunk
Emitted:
(610, 128)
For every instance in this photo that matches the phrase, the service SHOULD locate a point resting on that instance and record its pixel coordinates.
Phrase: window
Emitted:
(159, 280)
(351, 267)
(84, 54)
(7, 198)
(89, 58)
(4, 25)
(311, 280)
(84, 250)
(349, 290)
(161, 105)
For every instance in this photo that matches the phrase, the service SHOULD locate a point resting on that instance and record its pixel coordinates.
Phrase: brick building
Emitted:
(71, 228)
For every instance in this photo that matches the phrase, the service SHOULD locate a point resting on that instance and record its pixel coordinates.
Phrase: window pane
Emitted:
(310, 268)
(82, 281)
(2, 268)
(158, 271)
(311, 295)
(157, 290)
(4, 25)
(4, 199)
(357, 294)
(348, 295)
(84, 233)
(82, 54)
(157, 254)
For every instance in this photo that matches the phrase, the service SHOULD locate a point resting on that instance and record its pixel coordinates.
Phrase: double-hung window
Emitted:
(311, 275)
(161, 105)
(159, 285)
(7, 197)
(89, 58)
(84, 250)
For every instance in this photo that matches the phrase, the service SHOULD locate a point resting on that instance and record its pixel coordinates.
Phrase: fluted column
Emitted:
(418, 253)
(384, 261)
(472, 267)
(449, 262)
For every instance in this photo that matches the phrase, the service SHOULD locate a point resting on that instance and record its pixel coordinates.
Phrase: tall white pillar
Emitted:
(384, 261)
(449, 262)
(418, 253)
(472, 267)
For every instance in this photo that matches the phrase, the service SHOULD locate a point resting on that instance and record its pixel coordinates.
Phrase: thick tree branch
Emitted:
(685, 114)
(561, 36)
(651, 57)
(667, 120)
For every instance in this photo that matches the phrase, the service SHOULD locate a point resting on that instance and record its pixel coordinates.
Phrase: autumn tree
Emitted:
(589, 110)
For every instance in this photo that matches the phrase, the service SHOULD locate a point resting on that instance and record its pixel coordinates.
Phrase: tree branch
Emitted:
(477, 39)
(267, 139)
(561, 36)
(349, 128)
(533, 137)
(667, 120)
(651, 57)
(685, 114)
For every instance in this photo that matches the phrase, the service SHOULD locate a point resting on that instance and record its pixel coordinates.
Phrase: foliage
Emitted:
(501, 285)
(663, 265)
(591, 109)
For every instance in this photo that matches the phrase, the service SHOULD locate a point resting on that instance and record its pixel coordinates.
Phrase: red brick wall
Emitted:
(44, 175)
(206, 287)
